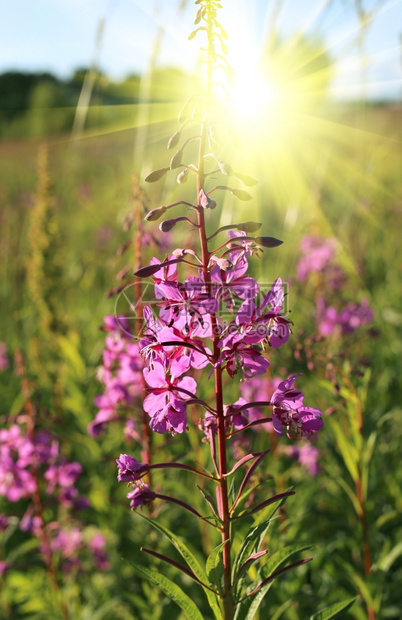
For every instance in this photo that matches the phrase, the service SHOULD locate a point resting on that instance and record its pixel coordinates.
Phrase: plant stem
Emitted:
(227, 599)
(146, 452)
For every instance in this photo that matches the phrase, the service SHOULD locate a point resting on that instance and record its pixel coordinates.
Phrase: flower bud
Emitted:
(167, 225)
(155, 175)
(249, 227)
(182, 176)
(226, 169)
(241, 194)
(205, 201)
(223, 263)
(244, 178)
(145, 272)
(176, 159)
(268, 242)
(155, 214)
(173, 140)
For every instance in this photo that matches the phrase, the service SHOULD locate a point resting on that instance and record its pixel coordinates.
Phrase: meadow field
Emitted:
(329, 186)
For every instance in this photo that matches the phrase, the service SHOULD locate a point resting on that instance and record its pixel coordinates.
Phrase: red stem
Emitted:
(228, 606)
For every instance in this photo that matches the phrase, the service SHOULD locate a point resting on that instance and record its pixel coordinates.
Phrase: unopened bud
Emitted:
(155, 214)
(205, 201)
(249, 227)
(155, 175)
(268, 242)
(167, 225)
(176, 159)
(223, 264)
(173, 140)
(226, 169)
(182, 176)
(241, 194)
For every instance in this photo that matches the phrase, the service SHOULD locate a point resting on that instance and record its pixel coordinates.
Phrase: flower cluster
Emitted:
(339, 317)
(121, 373)
(345, 321)
(24, 456)
(176, 341)
(4, 363)
(32, 468)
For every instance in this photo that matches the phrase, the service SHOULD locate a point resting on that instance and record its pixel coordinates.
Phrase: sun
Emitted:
(253, 93)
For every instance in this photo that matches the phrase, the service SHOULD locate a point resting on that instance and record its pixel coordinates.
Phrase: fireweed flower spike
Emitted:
(188, 334)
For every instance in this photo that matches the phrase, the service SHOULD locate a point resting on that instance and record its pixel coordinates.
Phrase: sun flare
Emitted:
(252, 93)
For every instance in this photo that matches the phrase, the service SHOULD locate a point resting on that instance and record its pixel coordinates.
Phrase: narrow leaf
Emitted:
(248, 475)
(191, 560)
(347, 450)
(334, 611)
(243, 460)
(165, 558)
(263, 588)
(211, 502)
(171, 590)
(265, 503)
(214, 565)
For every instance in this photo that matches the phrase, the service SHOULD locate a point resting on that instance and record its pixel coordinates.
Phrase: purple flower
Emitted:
(165, 403)
(317, 255)
(68, 542)
(231, 283)
(4, 363)
(306, 454)
(4, 521)
(97, 546)
(237, 354)
(140, 496)
(16, 454)
(130, 469)
(259, 389)
(346, 321)
(289, 412)
(4, 566)
(62, 474)
(258, 325)
(185, 345)
(185, 300)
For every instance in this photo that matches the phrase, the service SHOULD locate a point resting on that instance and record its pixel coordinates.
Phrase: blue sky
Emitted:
(59, 36)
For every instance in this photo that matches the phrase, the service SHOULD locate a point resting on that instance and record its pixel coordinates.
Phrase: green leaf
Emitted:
(17, 404)
(386, 563)
(347, 450)
(333, 611)
(191, 560)
(251, 544)
(171, 590)
(350, 493)
(214, 565)
(247, 609)
(210, 501)
(254, 538)
(365, 464)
